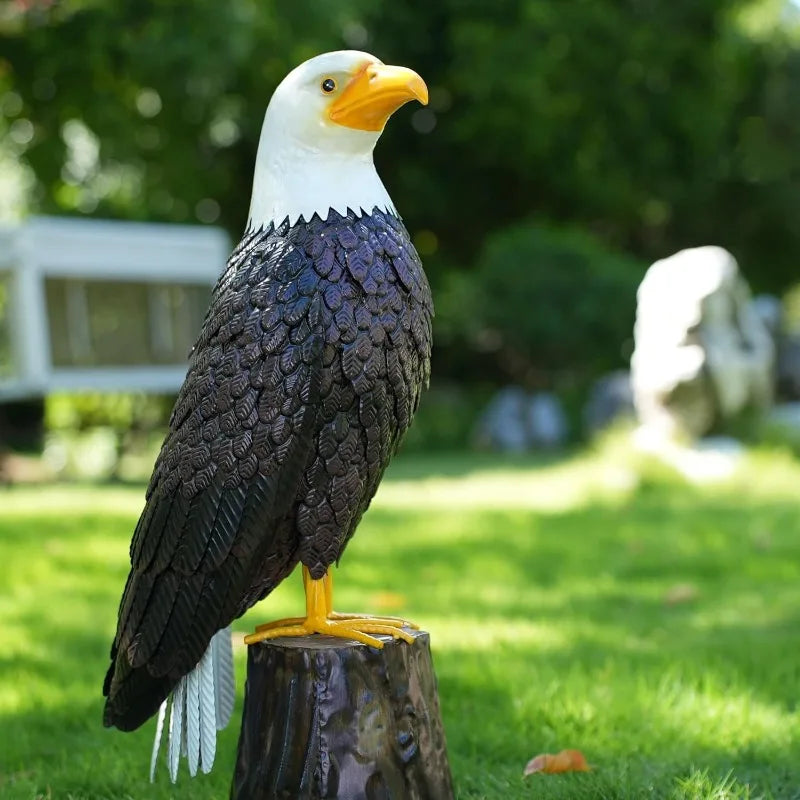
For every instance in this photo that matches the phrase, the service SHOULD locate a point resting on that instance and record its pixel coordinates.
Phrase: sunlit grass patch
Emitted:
(652, 625)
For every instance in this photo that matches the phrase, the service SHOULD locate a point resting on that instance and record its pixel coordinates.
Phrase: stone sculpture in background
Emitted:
(702, 351)
(770, 311)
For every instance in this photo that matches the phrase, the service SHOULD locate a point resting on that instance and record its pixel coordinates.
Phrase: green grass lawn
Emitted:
(574, 604)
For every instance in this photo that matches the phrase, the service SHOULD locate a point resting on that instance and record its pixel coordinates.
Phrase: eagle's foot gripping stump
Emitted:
(325, 718)
(321, 619)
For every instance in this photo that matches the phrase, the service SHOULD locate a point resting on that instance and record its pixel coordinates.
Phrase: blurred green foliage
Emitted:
(791, 308)
(6, 365)
(521, 304)
(651, 125)
(102, 436)
(121, 412)
(444, 422)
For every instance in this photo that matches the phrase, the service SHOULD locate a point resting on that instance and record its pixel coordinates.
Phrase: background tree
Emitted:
(652, 126)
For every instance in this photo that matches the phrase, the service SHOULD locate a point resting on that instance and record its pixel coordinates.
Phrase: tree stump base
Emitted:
(330, 718)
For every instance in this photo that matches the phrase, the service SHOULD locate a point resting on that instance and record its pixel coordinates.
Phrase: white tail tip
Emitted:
(201, 704)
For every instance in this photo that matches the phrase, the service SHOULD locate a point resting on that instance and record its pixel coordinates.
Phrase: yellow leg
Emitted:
(321, 619)
(287, 621)
(397, 622)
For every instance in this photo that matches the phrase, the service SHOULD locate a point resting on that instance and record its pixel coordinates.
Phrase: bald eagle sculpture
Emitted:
(305, 376)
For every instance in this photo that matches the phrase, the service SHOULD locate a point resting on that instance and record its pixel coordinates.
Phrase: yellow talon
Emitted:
(321, 619)
(325, 628)
(289, 630)
(365, 626)
(280, 623)
(394, 622)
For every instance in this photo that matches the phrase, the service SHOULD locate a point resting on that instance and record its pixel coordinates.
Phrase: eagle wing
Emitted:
(217, 531)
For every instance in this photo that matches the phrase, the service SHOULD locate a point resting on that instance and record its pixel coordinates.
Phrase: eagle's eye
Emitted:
(328, 85)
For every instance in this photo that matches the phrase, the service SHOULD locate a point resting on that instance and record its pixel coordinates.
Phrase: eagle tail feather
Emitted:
(201, 704)
(162, 713)
(193, 720)
(176, 729)
(208, 714)
(224, 680)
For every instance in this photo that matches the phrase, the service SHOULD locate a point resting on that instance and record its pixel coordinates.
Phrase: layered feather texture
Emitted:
(308, 370)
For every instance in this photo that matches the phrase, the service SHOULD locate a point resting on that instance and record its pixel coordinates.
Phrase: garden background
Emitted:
(583, 598)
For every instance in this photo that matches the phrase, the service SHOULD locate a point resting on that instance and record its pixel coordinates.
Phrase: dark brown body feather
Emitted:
(305, 377)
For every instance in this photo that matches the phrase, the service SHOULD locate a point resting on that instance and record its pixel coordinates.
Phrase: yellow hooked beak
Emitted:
(373, 94)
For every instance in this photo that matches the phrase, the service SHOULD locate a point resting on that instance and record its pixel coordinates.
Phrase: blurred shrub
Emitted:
(791, 309)
(780, 429)
(101, 436)
(122, 413)
(84, 455)
(6, 366)
(555, 306)
(100, 454)
(444, 420)
(91, 437)
(657, 125)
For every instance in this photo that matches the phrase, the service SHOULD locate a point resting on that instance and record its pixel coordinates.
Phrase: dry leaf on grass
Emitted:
(387, 601)
(565, 761)
(681, 593)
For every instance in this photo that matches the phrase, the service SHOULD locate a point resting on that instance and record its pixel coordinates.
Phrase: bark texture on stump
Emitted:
(328, 718)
